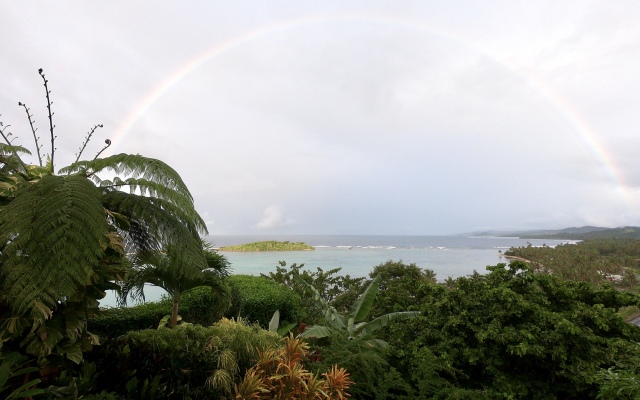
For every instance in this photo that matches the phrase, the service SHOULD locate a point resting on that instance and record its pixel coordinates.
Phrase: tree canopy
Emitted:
(514, 333)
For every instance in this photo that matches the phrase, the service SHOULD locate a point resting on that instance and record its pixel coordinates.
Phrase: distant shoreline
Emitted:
(515, 258)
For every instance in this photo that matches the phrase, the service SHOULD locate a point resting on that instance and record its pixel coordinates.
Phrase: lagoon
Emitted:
(357, 255)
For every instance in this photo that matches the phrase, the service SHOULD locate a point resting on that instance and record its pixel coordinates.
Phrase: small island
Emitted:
(269, 245)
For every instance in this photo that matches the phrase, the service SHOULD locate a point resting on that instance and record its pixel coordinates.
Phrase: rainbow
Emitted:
(587, 134)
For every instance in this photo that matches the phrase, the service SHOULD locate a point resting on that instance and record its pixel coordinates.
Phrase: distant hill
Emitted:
(575, 233)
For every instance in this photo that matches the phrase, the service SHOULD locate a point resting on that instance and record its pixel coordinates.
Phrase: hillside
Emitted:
(625, 232)
(573, 233)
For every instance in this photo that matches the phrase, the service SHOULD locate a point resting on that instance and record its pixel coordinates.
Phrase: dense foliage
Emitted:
(596, 261)
(269, 245)
(584, 233)
(189, 361)
(165, 269)
(198, 306)
(281, 375)
(357, 324)
(398, 289)
(515, 333)
(256, 298)
(369, 367)
(329, 284)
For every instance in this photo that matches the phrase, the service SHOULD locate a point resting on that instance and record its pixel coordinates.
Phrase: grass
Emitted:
(629, 313)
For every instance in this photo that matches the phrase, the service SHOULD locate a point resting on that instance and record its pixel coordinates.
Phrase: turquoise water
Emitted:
(357, 255)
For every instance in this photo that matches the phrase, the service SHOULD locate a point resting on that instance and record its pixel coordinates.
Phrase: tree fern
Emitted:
(133, 165)
(155, 223)
(63, 237)
(55, 230)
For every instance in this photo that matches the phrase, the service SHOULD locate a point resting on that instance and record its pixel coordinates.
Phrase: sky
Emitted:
(361, 117)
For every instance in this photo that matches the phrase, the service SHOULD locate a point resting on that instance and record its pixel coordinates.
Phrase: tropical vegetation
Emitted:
(65, 233)
(280, 374)
(546, 328)
(166, 270)
(596, 260)
(269, 245)
(355, 325)
(515, 333)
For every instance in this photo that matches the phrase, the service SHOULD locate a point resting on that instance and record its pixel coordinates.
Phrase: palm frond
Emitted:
(176, 275)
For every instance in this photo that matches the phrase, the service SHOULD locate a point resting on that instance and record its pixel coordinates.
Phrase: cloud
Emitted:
(273, 218)
(208, 219)
(499, 116)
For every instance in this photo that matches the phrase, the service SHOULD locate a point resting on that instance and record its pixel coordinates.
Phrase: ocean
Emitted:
(357, 255)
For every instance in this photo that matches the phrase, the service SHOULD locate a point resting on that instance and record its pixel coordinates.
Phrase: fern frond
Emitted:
(153, 189)
(53, 232)
(6, 149)
(156, 223)
(133, 165)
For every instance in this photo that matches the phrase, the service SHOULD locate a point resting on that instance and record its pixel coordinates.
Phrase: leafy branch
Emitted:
(11, 147)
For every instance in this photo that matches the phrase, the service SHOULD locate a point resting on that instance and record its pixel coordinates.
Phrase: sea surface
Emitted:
(357, 255)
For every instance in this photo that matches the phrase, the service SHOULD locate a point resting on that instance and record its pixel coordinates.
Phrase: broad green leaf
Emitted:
(384, 320)
(365, 301)
(286, 328)
(379, 343)
(331, 315)
(317, 331)
(74, 353)
(275, 322)
(164, 322)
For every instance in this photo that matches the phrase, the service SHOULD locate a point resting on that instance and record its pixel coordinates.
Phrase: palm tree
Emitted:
(355, 325)
(63, 236)
(163, 269)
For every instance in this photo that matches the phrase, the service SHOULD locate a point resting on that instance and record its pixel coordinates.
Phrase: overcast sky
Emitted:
(372, 117)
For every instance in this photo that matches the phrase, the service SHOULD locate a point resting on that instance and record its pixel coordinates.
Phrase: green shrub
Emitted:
(114, 322)
(519, 334)
(189, 361)
(253, 298)
(201, 306)
(256, 298)
(373, 376)
(198, 306)
(329, 284)
(103, 396)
